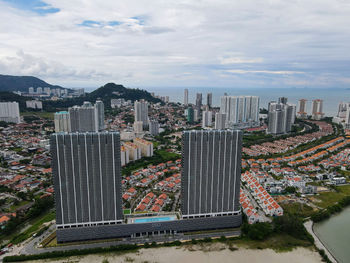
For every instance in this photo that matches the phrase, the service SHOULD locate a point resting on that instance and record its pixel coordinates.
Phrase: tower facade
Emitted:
(87, 179)
(211, 171)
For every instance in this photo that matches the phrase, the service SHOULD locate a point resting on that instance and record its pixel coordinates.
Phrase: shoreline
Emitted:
(309, 225)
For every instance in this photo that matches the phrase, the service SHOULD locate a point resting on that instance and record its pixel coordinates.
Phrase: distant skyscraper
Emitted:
(62, 121)
(39, 90)
(199, 100)
(211, 171)
(153, 127)
(190, 114)
(9, 112)
(207, 117)
(141, 111)
(83, 119)
(209, 99)
(87, 179)
(196, 116)
(281, 117)
(283, 100)
(343, 115)
(220, 121)
(186, 97)
(241, 111)
(99, 115)
(31, 90)
(317, 109)
(138, 126)
(302, 108)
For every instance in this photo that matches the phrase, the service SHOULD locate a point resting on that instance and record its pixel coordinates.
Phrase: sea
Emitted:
(331, 96)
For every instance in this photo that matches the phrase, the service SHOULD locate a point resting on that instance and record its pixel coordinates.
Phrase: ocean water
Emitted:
(331, 97)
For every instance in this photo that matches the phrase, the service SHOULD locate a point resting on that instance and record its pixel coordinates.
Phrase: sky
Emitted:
(182, 43)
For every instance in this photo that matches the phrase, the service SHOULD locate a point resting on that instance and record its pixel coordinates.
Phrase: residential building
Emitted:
(34, 104)
(99, 115)
(207, 119)
(62, 121)
(9, 112)
(302, 108)
(241, 111)
(153, 127)
(196, 113)
(281, 118)
(317, 109)
(124, 156)
(186, 97)
(141, 111)
(283, 100)
(134, 151)
(85, 118)
(198, 101)
(210, 180)
(39, 90)
(138, 126)
(31, 90)
(190, 115)
(220, 121)
(209, 100)
(47, 91)
(145, 146)
(87, 179)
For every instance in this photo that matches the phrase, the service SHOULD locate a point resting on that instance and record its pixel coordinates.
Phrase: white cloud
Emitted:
(242, 71)
(153, 44)
(236, 60)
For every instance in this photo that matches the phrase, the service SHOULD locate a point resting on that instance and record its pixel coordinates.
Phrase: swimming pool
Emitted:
(153, 219)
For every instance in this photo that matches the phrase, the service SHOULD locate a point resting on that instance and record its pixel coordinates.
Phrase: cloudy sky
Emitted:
(164, 43)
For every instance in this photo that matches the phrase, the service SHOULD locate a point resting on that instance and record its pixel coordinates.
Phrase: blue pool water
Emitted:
(153, 219)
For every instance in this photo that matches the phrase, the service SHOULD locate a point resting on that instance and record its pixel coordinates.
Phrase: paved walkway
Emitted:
(318, 243)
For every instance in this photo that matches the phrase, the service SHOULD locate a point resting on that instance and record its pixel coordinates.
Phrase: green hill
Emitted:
(105, 93)
(22, 83)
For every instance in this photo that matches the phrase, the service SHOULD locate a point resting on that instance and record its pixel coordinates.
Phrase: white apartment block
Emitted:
(241, 111)
(145, 146)
(134, 151)
(124, 155)
(9, 112)
(34, 104)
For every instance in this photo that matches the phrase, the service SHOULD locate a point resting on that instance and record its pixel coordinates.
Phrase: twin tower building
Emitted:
(88, 189)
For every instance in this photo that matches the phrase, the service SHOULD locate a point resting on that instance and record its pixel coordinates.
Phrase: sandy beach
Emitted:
(218, 253)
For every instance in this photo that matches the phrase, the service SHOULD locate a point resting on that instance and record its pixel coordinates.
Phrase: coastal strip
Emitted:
(318, 243)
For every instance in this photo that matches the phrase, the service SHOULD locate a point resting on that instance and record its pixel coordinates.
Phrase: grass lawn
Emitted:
(42, 114)
(277, 242)
(331, 198)
(36, 224)
(299, 209)
(168, 155)
(22, 203)
(127, 211)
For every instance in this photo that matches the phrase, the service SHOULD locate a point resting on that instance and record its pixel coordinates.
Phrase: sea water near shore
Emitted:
(335, 235)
